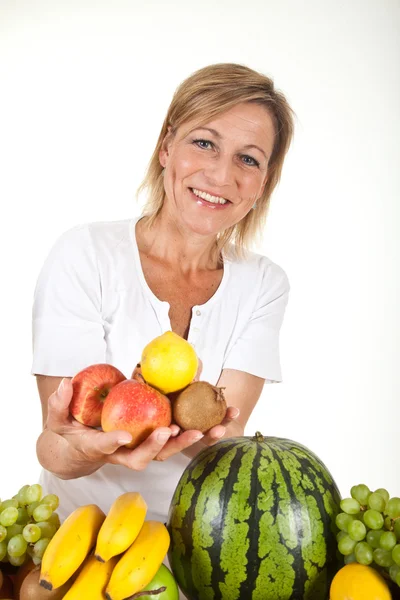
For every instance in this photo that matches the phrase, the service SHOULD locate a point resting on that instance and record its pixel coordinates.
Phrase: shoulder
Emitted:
(258, 271)
(99, 232)
(92, 239)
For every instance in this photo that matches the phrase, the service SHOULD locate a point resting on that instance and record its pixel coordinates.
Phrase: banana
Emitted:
(138, 565)
(70, 545)
(92, 580)
(121, 526)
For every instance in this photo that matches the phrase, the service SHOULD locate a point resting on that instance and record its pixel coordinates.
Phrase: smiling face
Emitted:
(215, 172)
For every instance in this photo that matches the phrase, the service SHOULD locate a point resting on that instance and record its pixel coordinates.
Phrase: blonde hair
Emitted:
(207, 93)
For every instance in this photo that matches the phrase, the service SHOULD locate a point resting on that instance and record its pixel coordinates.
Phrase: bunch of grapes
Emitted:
(27, 524)
(370, 530)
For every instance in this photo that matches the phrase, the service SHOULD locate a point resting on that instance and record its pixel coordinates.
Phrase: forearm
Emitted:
(57, 456)
(234, 429)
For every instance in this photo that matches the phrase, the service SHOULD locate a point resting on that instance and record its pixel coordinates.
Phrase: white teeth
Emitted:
(208, 197)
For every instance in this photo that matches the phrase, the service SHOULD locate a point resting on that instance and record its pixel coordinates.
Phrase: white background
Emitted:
(84, 87)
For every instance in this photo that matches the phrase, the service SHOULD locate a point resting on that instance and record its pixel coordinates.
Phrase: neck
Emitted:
(171, 243)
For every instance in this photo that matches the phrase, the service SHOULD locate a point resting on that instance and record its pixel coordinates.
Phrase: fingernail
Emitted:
(197, 437)
(220, 435)
(125, 439)
(61, 386)
(163, 437)
(236, 413)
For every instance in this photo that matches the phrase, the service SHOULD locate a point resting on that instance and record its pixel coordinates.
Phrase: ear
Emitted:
(165, 145)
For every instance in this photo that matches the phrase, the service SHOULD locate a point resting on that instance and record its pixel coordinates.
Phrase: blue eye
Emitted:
(204, 144)
(249, 160)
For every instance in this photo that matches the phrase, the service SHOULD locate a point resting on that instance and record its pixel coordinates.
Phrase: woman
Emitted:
(107, 289)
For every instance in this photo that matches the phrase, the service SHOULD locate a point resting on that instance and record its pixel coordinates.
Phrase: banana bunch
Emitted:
(70, 545)
(128, 551)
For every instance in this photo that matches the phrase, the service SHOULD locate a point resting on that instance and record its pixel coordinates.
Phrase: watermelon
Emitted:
(253, 518)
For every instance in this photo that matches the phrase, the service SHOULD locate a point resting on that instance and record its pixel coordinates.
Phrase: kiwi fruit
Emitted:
(199, 406)
(22, 572)
(32, 590)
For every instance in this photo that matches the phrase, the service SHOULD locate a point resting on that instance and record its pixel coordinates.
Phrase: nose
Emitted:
(219, 171)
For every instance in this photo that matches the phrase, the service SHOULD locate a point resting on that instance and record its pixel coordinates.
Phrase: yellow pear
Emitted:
(169, 363)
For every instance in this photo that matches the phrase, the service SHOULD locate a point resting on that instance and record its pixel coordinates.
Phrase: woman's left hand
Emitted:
(210, 437)
(215, 433)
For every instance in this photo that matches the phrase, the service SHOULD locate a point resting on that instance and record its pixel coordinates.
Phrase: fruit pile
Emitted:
(28, 522)
(370, 530)
(128, 551)
(93, 555)
(161, 391)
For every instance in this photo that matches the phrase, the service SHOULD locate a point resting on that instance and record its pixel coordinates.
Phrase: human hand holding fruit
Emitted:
(100, 447)
(137, 411)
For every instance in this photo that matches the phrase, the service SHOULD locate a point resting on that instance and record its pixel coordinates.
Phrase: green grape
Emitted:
(346, 545)
(398, 579)
(48, 529)
(393, 572)
(396, 554)
(388, 523)
(383, 558)
(15, 529)
(52, 500)
(360, 493)
(357, 531)
(23, 516)
(32, 533)
(3, 533)
(396, 528)
(350, 506)
(360, 516)
(54, 519)
(17, 561)
(384, 493)
(31, 507)
(22, 495)
(8, 516)
(393, 508)
(340, 535)
(40, 547)
(376, 502)
(364, 553)
(17, 546)
(42, 512)
(373, 519)
(374, 538)
(34, 493)
(388, 540)
(8, 503)
(349, 558)
(343, 521)
(3, 549)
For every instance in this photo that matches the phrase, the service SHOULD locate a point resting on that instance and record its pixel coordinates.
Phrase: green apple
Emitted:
(162, 578)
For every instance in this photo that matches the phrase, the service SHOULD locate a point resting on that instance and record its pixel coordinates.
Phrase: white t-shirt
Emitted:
(92, 305)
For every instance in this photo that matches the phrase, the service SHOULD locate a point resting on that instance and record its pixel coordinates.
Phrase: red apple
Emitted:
(135, 407)
(91, 387)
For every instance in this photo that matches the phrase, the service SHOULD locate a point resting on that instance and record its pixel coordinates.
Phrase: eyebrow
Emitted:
(218, 136)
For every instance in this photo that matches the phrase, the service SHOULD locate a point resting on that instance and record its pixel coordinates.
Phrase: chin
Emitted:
(203, 225)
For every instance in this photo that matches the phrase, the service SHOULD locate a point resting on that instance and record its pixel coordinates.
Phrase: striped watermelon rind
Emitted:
(254, 519)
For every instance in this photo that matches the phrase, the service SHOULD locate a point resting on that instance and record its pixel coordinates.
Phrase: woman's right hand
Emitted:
(95, 446)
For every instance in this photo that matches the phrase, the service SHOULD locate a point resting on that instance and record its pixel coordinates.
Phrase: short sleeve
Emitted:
(67, 325)
(256, 351)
